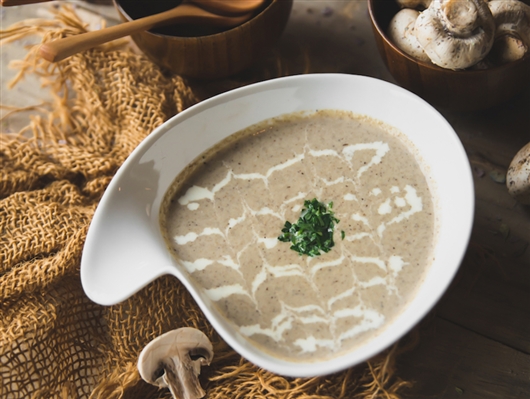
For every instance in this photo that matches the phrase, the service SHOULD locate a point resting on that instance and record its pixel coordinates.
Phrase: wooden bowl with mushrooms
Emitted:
(204, 52)
(457, 55)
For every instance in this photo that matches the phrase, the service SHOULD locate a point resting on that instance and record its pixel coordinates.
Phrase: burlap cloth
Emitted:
(55, 342)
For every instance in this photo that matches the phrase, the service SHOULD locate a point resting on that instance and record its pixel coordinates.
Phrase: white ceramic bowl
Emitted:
(124, 249)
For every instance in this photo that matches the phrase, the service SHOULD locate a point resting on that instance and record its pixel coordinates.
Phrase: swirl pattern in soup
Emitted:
(224, 213)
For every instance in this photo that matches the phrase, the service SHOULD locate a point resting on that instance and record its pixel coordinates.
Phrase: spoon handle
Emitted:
(229, 7)
(60, 49)
(9, 3)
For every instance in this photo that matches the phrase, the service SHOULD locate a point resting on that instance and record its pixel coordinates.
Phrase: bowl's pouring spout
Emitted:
(128, 242)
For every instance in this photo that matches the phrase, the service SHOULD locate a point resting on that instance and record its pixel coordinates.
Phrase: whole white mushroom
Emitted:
(456, 34)
(512, 30)
(518, 176)
(401, 32)
(174, 359)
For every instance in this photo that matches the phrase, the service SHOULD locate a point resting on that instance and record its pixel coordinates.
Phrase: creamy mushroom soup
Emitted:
(225, 211)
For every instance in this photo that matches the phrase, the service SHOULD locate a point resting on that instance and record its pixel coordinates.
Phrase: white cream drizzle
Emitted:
(269, 243)
(342, 295)
(333, 182)
(357, 236)
(415, 203)
(310, 314)
(275, 331)
(396, 263)
(360, 218)
(193, 206)
(190, 237)
(370, 260)
(311, 344)
(350, 197)
(380, 150)
(385, 208)
(322, 265)
(400, 202)
(370, 320)
(216, 294)
(197, 265)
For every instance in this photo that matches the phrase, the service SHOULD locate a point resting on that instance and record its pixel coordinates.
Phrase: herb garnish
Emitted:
(313, 233)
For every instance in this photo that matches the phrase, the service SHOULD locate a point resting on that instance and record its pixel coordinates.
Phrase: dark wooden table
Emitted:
(475, 343)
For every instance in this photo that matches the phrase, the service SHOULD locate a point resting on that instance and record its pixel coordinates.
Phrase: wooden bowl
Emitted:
(207, 53)
(465, 90)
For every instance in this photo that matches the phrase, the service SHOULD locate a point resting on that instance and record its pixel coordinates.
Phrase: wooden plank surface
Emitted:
(476, 342)
(451, 361)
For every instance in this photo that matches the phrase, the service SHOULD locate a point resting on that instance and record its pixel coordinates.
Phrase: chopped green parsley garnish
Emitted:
(313, 233)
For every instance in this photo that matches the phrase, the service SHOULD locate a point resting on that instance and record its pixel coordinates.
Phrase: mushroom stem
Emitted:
(174, 359)
(459, 17)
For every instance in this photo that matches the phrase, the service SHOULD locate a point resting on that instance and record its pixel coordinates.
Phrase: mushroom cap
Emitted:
(512, 29)
(174, 359)
(456, 34)
(506, 48)
(518, 176)
(401, 32)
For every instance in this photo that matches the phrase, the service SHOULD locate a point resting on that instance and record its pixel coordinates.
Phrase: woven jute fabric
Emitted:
(55, 342)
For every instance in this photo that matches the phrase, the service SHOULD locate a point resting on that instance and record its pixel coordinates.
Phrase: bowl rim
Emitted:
(120, 9)
(100, 269)
(434, 67)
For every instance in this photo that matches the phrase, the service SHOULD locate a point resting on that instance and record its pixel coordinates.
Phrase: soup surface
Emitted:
(224, 213)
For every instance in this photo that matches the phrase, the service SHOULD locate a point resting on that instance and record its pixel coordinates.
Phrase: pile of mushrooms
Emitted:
(459, 34)
(174, 359)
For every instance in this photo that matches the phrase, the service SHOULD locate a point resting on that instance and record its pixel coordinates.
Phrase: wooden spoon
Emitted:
(60, 49)
(8, 3)
(230, 7)
(220, 6)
